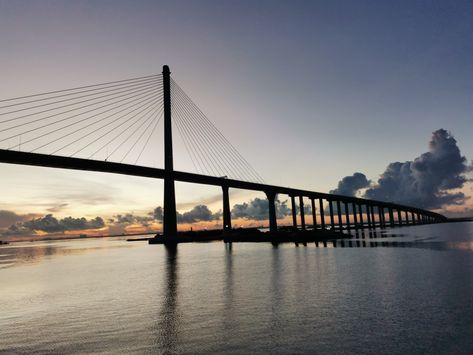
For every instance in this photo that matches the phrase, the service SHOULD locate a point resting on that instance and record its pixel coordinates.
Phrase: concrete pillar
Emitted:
(227, 218)
(380, 216)
(332, 219)
(391, 217)
(419, 220)
(301, 207)
(355, 217)
(360, 210)
(339, 213)
(347, 215)
(273, 225)
(373, 220)
(314, 215)
(406, 214)
(413, 218)
(322, 213)
(399, 217)
(169, 217)
(368, 216)
(294, 217)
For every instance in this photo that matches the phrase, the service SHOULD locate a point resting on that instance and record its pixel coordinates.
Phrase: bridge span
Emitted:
(46, 122)
(358, 212)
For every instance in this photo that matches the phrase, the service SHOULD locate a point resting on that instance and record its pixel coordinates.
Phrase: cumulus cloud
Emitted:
(258, 209)
(426, 181)
(350, 185)
(51, 224)
(199, 213)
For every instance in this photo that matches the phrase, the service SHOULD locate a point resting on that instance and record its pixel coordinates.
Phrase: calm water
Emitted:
(408, 291)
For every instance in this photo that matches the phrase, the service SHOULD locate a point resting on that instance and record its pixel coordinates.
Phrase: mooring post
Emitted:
(301, 208)
(273, 225)
(227, 217)
(169, 218)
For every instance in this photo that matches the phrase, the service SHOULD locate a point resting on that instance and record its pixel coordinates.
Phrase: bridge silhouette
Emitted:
(73, 121)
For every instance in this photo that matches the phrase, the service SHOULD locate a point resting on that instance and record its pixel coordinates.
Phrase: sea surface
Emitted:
(402, 291)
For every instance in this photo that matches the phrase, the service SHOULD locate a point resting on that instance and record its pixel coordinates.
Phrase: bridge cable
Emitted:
(69, 117)
(148, 97)
(120, 87)
(216, 134)
(156, 120)
(201, 151)
(187, 144)
(80, 87)
(106, 133)
(210, 148)
(142, 86)
(147, 140)
(149, 120)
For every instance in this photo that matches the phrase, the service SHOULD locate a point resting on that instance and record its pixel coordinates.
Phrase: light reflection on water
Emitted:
(404, 290)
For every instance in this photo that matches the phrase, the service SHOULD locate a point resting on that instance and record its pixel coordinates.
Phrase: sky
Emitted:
(309, 92)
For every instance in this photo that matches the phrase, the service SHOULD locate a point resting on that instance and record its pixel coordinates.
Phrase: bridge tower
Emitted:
(169, 218)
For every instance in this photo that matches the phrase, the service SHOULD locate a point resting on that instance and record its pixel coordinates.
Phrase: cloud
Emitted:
(198, 213)
(350, 185)
(428, 180)
(50, 224)
(7, 218)
(258, 209)
(57, 207)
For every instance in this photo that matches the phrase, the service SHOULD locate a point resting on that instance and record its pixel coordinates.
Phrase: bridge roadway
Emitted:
(354, 219)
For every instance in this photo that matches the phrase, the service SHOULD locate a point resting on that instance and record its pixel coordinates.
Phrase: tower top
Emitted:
(166, 69)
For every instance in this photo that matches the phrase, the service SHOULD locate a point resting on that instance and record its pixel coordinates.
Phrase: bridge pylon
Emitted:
(169, 217)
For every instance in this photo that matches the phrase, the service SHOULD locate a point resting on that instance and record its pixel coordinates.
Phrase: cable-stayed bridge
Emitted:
(108, 128)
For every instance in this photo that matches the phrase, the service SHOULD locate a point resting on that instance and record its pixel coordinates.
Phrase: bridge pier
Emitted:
(380, 216)
(391, 216)
(399, 217)
(227, 217)
(322, 213)
(273, 225)
(368, 216)
(360, 211)
(169, 206)
(294, 216)
(314, 216)
(339, 214)
(332, 219)
(301, 208)
(347, 215)
(373, 220)
(355, 218)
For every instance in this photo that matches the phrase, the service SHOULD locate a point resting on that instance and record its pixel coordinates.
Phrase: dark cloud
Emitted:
(51, 224)
(132, 219)
(7, 218)
(427, 181)
(258, 209)
(350, 185)
(197, 214)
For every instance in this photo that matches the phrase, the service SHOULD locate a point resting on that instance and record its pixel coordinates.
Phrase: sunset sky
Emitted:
(308, 91)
